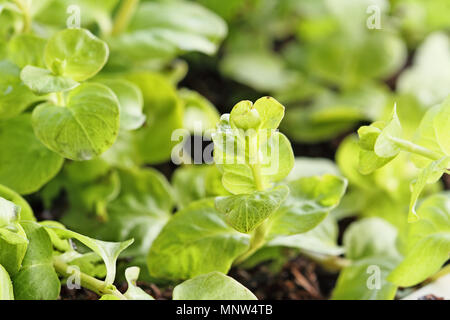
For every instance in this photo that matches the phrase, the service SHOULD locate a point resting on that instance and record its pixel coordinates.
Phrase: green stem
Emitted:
(258, 237)
(256, 170)
(414, 148)
(26, 15)
(257, 240)
(124, 15)
(87, 281)
(58, 98)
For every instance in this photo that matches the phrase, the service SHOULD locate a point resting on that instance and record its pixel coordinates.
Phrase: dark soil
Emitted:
(299, 279)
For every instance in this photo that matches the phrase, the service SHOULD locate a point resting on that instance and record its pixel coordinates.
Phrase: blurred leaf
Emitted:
(428, 242)
(164, 112)
(131, 103)
(212, 286)
(38, 165)
(42, 81)
(321, 239)
(371, 245)
(26, 49)
(199, 112)
(179, 251)
(309, 202)
(260, 70)
(196, 182)
(15, 97)
(429, 77)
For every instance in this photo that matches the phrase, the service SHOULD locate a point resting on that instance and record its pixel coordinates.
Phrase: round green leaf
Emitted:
(309, 202)
(245, 212)
(131, 103)
(196, 240)
(25, 163)
(42, 81)
(15, 97)
(26, 49)
(85, 128)
(75, 53)
(212, 286)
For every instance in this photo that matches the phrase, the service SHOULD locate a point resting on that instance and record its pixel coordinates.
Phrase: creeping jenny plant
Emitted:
(254, 206)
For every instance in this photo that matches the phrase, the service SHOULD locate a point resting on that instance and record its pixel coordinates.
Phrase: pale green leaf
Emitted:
(37, 164)
(196, 182)
(245, 212)
(370, 237)
(309, 202)
(15, 97)
(6, 288)
(196, 240)
(370, 244)
(429, 76)
(442, 126)
(9, 212)
(131, 103)
(134, 292)
(13, 246)
(384, 146)
(37, 279)
(86, 127)
(26, 49)
(109, 251)
(164, 112)
(200, 114)
(428, 242)
(42, 81)
(76, 54)
(322, 239)
(254, 158)
(26, 213)
(428, 175)
(212, 286)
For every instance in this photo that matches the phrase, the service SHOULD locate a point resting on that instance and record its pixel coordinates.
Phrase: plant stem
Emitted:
(257, 240)
(124, 15)
(256, 170)
(60, 100)
(414, 148)
(87, 281)
(26, 15)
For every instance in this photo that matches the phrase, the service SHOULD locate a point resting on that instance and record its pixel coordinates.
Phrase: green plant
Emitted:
(37, 258)
(97, 96)
(381, 142)
(425, 238)
(253, 208)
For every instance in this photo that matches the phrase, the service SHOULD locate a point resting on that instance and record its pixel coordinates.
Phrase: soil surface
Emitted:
(299, 279)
